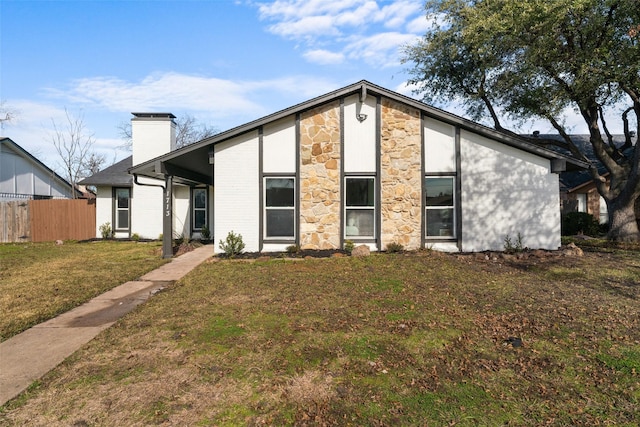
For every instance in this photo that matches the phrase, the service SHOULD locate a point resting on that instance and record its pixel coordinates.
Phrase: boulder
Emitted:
(362, 250)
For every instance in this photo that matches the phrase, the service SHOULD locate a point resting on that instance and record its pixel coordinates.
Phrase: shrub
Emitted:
(510, 246)
(105, 230)
(348, 246)
(293, 249)
(580, 223)
(232, 245)
(205, 233)
(135, 237)
(181, 240)
(394, 247)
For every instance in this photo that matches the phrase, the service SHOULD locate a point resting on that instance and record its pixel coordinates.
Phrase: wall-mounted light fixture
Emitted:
(363, 95)
(212, 157)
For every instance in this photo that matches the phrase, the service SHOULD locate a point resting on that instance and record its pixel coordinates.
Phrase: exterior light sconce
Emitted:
(363, 95)
(212, 158)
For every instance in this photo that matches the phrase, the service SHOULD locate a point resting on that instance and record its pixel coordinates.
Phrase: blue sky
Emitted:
(224, 62)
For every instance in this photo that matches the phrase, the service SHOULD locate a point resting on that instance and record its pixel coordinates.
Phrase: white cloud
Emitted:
(309, 26)
(357, 29)
(395, 15)
(160, 91)
(379, 50)
(323, 57)
(304, 19)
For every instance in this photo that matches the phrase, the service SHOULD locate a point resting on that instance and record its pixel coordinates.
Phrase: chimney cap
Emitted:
(154, 115)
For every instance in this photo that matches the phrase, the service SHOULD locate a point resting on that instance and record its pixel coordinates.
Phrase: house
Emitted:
(22, 176)
(578, 192)
(361, 163)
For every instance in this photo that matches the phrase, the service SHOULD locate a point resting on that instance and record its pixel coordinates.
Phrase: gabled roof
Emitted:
(12, 145)
(193, 158)
(115, 175)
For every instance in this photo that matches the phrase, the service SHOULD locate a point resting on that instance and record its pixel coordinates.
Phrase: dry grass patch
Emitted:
(408, 339)
(41, 280)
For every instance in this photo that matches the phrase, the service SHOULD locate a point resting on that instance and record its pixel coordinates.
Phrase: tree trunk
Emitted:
(623, 226)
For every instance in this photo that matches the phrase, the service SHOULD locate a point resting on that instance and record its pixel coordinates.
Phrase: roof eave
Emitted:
(363, 85)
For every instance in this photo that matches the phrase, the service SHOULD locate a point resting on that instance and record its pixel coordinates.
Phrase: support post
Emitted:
(167, 218)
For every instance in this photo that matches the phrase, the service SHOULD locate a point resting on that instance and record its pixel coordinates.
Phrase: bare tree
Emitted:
(7, 114)
(74, 144)
(188, 131)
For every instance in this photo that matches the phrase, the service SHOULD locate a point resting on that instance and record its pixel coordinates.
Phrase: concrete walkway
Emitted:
(28, 356)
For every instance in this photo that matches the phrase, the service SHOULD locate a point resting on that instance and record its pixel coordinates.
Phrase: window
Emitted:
(359, 208)
(199, 204)
(582, 202)
(439, 207)
(603, 211)
(279, 216)
(122, 201)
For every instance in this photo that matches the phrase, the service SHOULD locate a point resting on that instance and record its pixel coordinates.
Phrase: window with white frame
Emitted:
(440, 207)
(279, 208)
(359, 207)
(199, 208)
(122, 202)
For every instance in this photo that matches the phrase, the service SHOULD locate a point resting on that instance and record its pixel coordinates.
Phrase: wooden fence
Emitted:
(47, 220)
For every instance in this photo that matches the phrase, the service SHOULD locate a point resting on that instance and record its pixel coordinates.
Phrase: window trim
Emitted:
(265, 208)
(194, 209)
(454, 207)
(115, 210)
(374, 208)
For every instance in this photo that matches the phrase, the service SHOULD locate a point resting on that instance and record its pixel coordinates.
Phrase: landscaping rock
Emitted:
(572, 250)
(359, 251)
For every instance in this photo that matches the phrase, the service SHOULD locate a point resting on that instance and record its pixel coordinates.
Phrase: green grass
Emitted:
(41, 280)
(417, 339)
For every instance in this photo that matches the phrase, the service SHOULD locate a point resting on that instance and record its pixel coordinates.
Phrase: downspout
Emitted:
(167, 213)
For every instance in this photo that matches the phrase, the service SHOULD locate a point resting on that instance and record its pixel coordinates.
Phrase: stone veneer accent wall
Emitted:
(401, 175)
(320, 178)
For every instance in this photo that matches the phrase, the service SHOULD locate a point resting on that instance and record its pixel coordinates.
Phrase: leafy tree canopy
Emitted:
(536, 59)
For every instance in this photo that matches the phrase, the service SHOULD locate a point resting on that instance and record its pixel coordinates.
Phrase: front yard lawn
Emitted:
(423, 339)
(41, 280)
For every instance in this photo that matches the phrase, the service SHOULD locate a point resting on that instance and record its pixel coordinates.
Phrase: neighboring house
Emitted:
(22, 176)
(578, 192)
(361, 163)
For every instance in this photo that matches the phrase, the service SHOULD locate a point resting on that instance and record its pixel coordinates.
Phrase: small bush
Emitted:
(181, 240)
(135, 237)
(580, 223)
(511, 247)
(348, 246)
(394, 247)
(105, 230)
(205, 233)
(293, 249)
(232, 245)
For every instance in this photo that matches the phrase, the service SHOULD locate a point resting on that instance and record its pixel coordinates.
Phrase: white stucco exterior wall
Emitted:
(359, 136)
(237, 201)
(147, 209)
(104, 209)
(152, 137)
(279, 146)
(181, 211)
(439, 146)
(506, 191)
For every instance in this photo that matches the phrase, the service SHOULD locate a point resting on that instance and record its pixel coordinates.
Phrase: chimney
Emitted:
(152, 134)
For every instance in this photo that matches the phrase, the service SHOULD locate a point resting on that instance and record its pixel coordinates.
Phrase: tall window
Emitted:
(199, 203)
(359, 208)
(122, 202)
(279, 215)
(440, 207)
